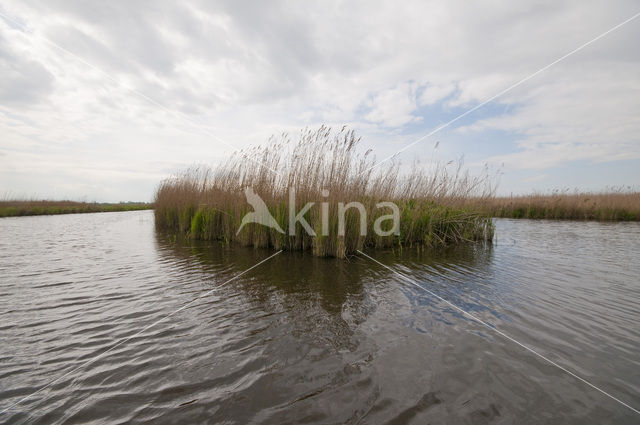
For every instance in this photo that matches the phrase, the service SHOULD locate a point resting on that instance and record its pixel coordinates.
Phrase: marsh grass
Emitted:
(614, 204)
(12, 208)
(210, 203)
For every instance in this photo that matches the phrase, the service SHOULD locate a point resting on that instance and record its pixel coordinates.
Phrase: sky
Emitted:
(99, 101)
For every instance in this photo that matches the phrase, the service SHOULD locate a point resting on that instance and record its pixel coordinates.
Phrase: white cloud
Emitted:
(433, 93)
(394, 107)
(479, 89)
(594, 117)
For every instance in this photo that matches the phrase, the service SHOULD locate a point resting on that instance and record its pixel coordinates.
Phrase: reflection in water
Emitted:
(314, 340)
(332, 281)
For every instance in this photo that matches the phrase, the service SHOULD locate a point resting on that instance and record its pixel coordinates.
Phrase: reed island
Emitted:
(318, 192)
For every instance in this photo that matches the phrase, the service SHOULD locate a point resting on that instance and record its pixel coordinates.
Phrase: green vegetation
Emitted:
(21, 207)
(323, 167)
(612, 205)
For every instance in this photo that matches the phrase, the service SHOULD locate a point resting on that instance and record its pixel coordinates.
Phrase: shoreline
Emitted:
(604, 206)
(33, 208)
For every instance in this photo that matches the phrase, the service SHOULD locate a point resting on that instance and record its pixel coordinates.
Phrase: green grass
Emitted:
(17, 208)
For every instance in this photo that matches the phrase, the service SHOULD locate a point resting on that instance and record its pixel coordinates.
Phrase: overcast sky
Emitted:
(101, 100)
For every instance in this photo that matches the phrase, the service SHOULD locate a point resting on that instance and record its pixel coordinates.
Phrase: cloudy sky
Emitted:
(101, 100)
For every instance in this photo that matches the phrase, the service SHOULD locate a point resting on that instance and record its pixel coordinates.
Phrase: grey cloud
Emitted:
(130, 40)
(280, 45)
(23, 81)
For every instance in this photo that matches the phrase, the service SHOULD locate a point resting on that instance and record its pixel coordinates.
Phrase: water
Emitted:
(310, 340)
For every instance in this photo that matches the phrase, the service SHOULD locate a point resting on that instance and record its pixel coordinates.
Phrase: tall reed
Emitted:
(323, 166)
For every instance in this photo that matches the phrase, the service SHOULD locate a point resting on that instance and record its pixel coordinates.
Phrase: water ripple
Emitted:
(305, 339)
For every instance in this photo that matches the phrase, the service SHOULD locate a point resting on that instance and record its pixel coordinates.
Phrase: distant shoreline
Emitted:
(603, 206)
(20, 208)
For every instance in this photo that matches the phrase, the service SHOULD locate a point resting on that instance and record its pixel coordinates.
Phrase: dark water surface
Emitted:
(309, 340)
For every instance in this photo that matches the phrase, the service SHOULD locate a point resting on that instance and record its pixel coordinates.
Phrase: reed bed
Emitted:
(615, 204)
(324, 167)
(12, 208)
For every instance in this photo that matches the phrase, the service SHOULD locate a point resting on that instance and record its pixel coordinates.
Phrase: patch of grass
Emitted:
(12, 208)
(324, 166)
